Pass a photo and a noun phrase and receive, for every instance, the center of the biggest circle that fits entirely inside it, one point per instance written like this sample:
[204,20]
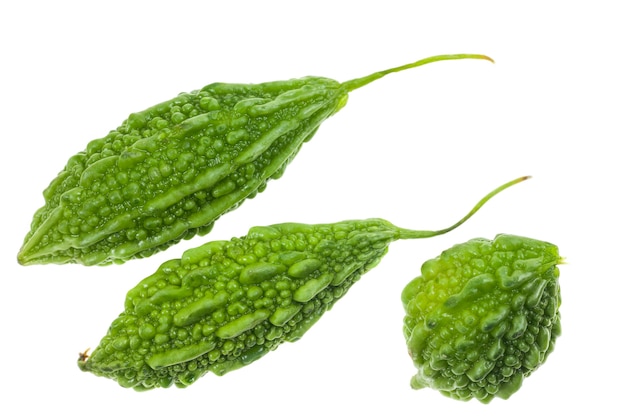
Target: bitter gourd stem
[419,234]
[352,85]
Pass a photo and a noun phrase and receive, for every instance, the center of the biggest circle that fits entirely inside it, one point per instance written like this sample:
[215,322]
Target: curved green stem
[419,234]
[360,82]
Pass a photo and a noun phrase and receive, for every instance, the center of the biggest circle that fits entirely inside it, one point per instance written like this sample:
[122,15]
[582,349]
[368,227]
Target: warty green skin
[225,304]
[483,316]
[170,171]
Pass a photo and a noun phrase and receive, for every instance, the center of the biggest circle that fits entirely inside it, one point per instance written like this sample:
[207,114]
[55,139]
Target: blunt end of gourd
[417,383]
[82,365]
[83,361]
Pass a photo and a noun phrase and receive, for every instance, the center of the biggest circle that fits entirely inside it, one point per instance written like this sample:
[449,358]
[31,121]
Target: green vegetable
[483,316]
[225,304]
[168,172]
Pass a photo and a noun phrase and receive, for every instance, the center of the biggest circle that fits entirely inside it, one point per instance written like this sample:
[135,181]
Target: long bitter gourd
[483,316]
[225,304]
[168,172]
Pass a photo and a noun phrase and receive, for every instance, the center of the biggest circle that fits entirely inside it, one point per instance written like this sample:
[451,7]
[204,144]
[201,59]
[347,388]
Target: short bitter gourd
[483,316]
[168,172]
[225,304]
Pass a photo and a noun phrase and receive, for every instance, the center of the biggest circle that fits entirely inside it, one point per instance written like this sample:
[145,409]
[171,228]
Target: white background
[418,148]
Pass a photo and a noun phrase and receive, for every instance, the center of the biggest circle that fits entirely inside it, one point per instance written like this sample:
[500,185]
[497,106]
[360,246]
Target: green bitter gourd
[483,316]
[225,304]
[168,172]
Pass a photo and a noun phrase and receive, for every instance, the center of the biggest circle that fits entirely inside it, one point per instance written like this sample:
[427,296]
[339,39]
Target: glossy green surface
[225,304]
[168,172]
[483,316]
[228,303]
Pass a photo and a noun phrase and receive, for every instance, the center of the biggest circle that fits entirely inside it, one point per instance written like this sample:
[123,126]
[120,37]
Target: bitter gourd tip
[483,316]
[82,359]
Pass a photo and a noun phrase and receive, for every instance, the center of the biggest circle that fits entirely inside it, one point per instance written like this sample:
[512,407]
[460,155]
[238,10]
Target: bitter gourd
[483,316]
[225,304]
[168,172]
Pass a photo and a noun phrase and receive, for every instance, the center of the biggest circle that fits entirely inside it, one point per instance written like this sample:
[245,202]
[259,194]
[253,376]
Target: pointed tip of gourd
[26,258]
[30,254]
[22,259]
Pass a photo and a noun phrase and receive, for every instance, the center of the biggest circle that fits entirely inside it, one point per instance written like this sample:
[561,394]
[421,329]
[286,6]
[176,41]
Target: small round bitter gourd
[483,316]
[170,171]
[225,304]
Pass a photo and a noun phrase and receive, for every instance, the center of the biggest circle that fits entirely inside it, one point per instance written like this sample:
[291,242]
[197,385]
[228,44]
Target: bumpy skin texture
[483,316]
[227,303]
[168,172]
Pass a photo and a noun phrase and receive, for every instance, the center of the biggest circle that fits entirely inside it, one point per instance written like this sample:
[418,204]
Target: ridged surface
[483,316]
[227,303]
[168,172]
